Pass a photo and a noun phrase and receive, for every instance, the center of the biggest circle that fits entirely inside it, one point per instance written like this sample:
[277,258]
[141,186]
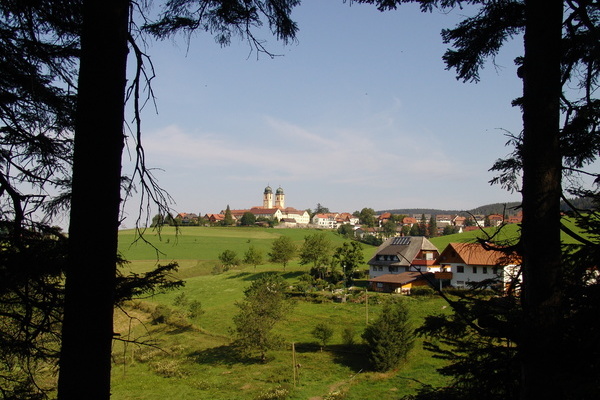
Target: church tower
[279,198]
[268,198]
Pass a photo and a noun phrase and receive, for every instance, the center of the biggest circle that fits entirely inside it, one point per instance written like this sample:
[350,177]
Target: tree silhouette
[560,47]
[99,140]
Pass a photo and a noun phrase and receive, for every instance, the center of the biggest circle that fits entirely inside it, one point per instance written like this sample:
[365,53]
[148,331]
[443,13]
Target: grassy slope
[198,361]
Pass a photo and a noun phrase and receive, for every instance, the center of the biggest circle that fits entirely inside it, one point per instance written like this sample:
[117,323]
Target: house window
[379,284]
[495,271]
[407,268]
[484,270]
[460,269]
[474,270]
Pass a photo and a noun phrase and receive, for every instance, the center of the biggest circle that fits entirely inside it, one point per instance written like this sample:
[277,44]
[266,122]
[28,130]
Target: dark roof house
[403,254]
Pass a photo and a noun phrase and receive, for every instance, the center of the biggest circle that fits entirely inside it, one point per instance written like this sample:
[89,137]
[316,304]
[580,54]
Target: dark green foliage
[389,228]
[248,219]
[195,309]
[264,305]
[225,19]
[158,280]
[348,336]
[283,250]
[371,240]
[229,258]
[228,220]
[476,340]
[161,314]
[390,337]
[31,298]
[316,250]
[346,230]
[367,217]
[323,333]
[432,227]
[349,257]
[422,291]
[253,256]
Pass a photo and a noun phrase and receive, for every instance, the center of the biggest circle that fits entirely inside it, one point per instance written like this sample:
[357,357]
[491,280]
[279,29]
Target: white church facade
[273,206]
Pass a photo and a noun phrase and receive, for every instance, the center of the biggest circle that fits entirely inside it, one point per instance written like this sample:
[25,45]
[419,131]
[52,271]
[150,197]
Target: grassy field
[191,358]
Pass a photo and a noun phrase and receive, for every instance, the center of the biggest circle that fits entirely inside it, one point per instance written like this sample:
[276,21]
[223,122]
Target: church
[273,206]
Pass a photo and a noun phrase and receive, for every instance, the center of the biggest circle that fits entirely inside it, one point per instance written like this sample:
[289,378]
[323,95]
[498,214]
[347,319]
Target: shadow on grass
[351,356]
[251,276]
[293,274]
[225,355]
[221,355]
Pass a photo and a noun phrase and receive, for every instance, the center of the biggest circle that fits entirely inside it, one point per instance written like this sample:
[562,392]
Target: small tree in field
[283,250]
[323,333]
[263,306]
[253,256]
[390,337]
[229,258]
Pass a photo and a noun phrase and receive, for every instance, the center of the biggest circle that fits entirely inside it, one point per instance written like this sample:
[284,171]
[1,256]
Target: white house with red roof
[461,263]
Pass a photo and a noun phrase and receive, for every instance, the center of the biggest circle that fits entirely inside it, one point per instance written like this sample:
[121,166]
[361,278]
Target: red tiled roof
[476,254]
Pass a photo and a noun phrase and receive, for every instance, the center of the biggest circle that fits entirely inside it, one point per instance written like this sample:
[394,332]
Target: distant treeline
[497,208]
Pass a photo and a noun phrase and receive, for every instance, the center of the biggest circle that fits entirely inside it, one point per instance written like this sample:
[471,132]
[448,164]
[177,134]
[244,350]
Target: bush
[195,309]
[424,291]
[323,333]
[390,337]
[160,314]
[180,300]
[348,336]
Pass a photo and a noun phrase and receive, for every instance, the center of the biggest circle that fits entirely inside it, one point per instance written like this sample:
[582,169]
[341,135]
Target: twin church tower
[268,198]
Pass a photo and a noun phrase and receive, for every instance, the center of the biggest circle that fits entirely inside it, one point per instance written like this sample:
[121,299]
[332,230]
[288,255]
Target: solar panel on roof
[401,241]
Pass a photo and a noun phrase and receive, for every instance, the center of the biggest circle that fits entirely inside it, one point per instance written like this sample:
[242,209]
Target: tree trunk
[88,320]
[541,294]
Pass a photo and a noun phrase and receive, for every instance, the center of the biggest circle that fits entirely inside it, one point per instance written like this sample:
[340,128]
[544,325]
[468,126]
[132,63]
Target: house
[288,223]
[362,232]
[460,263]
[403,254]
[326,220]
[383,218]
[302,217]
[214,218]
[495,219]
[459,221]
[347,218]
[187,218]
[443,220]
[516,219]
[400,283]
[409,221]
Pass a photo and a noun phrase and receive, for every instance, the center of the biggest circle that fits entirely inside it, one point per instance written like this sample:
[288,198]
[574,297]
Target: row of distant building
[274,208]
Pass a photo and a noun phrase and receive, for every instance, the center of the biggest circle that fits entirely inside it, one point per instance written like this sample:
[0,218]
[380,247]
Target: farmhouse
[460,263]
[403,254]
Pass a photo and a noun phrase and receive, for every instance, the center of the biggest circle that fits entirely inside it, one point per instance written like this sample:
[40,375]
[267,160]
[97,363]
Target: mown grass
[192,358]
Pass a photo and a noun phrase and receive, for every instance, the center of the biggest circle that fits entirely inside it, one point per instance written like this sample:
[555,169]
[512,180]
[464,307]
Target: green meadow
[191,358]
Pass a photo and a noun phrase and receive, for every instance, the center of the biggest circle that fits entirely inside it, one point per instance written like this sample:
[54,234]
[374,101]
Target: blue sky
[360,112]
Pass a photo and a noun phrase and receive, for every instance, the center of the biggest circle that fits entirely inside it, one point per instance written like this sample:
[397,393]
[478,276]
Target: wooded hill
[511,208]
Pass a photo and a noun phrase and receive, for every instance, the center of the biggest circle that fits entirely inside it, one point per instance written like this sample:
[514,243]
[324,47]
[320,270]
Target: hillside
[496,208]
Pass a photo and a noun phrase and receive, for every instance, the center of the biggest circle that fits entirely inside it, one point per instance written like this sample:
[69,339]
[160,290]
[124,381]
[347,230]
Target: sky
[358,112]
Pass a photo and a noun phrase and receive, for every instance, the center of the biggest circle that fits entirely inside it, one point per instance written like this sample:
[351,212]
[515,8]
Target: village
[273,212]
